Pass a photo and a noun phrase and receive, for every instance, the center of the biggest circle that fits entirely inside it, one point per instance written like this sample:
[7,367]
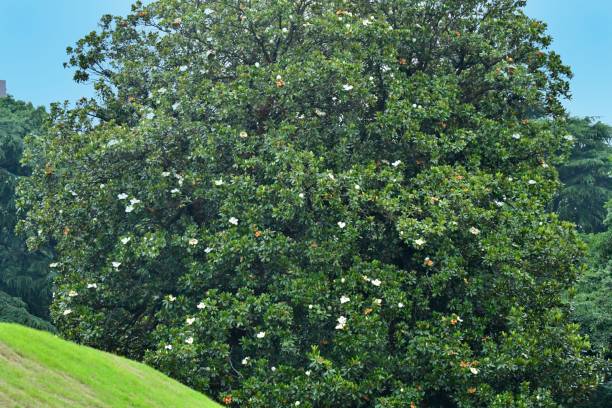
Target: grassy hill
[37,369]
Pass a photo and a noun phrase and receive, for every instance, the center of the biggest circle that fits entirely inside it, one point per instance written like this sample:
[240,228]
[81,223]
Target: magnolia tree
[318,203]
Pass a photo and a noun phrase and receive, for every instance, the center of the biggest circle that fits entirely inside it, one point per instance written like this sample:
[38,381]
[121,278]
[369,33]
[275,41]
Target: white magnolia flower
[116,264]
[341,224]
[92,286]
[183,68]
[189,340]
[400,305]
[545,165]
[261,334]
[516,136]
[378,302]
[320,113]
[208,250]
[165,174]
[201,305]
[233,221]
[342,280]
[474,231]
[341,323]
[73,293]
[273,368]
[190,321]
[474,370]
[344,299]
[531,182]
[171,298]
[310,307]
[245,360]
[193,241]
[129,208]
[396,163]
[257,65]
[122,196]
[219,182]
[175,105]
[376,282]
[175,191]
[53,265]
[366,22]
[347,87]
[244,134]
[365,278]
[102,186]
[499,203]
[125,240]
[301,195]
[67,312]
[419,242]
[308,372]
[168,346]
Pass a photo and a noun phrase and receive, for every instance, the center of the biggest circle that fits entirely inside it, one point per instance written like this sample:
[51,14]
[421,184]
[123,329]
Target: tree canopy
[338,203]
[587,175]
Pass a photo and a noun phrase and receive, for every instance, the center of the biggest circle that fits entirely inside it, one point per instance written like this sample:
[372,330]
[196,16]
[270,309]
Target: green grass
[38,369]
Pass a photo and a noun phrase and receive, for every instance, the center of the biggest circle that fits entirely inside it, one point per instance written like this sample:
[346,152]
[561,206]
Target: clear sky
[35,33]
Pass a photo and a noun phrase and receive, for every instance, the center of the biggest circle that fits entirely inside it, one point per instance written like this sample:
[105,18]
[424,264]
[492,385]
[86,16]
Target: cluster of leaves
[318,203]
[587,176]
[22,274]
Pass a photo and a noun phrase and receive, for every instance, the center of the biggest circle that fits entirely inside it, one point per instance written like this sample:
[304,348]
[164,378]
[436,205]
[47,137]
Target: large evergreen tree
[586,176]
[23,275]
[337,203]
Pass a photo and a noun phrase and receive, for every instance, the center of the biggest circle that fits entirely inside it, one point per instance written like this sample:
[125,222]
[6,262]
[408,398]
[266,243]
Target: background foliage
[587,176]
[22,275]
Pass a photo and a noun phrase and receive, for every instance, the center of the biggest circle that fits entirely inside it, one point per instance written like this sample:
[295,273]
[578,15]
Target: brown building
[2,88]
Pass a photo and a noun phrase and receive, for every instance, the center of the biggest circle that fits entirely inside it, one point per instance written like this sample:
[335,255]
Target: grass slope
[37,369]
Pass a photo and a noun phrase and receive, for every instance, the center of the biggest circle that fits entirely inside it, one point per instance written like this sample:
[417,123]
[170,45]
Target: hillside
[37,369]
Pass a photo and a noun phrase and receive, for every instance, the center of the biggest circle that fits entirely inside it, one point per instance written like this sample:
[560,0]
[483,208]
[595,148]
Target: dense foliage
[14,310]
[22,274]
[593,304]
[587,175]
[337,203]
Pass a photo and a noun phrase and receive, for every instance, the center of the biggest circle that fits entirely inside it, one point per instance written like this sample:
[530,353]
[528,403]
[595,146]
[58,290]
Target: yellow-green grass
[38,369]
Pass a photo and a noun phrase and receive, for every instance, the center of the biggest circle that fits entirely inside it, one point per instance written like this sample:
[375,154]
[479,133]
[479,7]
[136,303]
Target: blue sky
[35,33]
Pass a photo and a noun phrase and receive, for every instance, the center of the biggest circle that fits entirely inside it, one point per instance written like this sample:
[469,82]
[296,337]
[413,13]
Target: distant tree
[586,176]
[341,203]
[22,274]
[14,310]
